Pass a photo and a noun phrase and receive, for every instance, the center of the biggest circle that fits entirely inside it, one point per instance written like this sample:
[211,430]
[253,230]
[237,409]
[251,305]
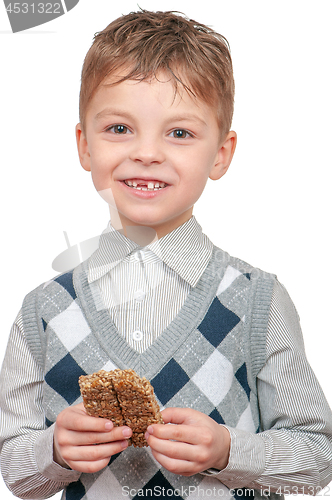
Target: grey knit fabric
[207,358]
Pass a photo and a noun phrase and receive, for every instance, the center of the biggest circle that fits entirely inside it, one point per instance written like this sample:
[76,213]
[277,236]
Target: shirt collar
[186,250]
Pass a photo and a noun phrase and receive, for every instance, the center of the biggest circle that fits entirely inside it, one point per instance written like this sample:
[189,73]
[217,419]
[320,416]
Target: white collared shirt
[145,287]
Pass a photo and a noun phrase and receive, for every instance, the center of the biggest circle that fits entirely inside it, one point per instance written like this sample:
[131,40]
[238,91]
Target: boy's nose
[147,151]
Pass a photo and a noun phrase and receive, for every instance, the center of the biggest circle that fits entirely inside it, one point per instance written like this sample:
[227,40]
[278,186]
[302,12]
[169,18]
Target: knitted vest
[206,359]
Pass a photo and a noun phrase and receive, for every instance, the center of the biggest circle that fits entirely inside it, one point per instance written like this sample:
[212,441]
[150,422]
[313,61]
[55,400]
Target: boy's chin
[147,221]
[144,219]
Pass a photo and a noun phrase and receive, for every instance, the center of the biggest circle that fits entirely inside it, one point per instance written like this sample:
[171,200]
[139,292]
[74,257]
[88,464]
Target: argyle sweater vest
[206,359]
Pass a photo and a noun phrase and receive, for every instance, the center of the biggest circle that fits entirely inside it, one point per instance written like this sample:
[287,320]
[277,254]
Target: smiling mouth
[144,185]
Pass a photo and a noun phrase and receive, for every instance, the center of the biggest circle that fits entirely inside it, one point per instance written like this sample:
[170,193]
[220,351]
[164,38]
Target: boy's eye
[119,129]
[179,133]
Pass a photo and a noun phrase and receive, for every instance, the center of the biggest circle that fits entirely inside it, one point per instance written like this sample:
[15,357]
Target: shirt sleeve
[26,445]
[293,453]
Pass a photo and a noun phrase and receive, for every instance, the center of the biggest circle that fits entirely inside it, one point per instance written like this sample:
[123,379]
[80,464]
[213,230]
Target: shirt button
[137,335]
[139,295]
[139,255]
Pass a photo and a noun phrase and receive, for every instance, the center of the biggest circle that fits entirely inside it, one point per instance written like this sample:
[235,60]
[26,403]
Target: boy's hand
[195,444]
[86,443]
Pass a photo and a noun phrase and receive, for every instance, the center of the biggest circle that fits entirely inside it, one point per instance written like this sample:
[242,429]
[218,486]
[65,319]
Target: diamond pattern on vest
[62,376]
[75,491]
[230,275]
[157,484]
[216,416]
[242,493]
[215,377]
[246,422]
[207,373]
[191,396]
[134,467]
[66,281]
[241,376]
[169,381]
[218,322]
[208,489]
[102,484]
[70,326]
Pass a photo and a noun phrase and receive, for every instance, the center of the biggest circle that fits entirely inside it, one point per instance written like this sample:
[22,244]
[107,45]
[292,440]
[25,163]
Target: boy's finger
[162,437]
[171,449]
[179,415]
[182,433]
[184,467]
[89,467]
[95,453]
[78,420]
[89,438]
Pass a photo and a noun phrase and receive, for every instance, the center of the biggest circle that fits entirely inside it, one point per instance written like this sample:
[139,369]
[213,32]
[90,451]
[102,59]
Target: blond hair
[143,43]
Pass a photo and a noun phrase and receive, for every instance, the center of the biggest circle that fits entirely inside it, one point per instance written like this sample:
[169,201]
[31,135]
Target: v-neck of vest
[163,348]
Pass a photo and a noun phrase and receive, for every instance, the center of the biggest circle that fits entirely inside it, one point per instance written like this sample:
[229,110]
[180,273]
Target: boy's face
[150,153]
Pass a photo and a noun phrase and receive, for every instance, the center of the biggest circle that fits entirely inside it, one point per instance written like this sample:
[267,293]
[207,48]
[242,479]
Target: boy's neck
[142,235]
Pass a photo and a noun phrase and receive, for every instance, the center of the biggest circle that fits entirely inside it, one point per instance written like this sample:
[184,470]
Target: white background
[272,209]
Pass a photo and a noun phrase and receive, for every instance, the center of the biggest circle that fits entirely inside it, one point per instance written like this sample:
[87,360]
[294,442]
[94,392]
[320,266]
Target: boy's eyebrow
[111,111]
[118,112]
[187,117]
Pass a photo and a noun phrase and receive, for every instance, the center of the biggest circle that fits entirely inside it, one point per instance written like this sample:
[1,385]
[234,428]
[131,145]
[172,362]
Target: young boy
[219,340]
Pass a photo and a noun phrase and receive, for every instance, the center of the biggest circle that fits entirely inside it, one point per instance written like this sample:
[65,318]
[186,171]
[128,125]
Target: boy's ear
[82,147]
[224,156]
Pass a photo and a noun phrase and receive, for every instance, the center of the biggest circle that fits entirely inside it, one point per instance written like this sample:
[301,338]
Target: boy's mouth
[145,185]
